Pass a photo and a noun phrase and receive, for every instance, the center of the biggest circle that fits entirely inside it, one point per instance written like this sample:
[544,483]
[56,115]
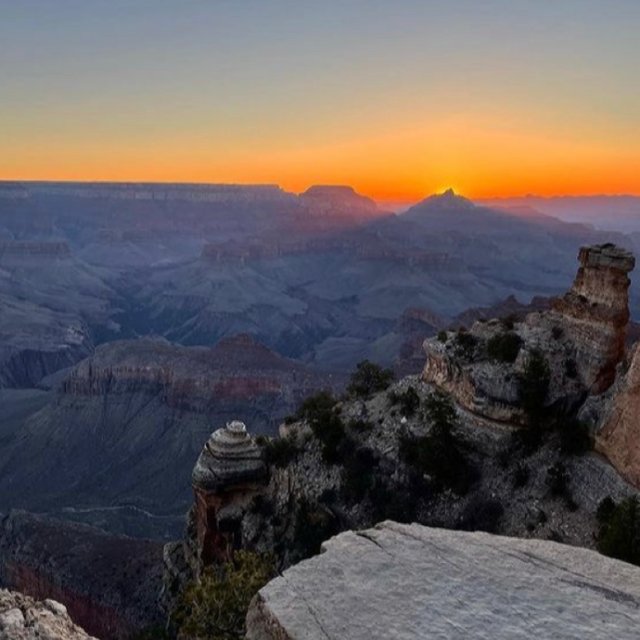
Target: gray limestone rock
[409,581]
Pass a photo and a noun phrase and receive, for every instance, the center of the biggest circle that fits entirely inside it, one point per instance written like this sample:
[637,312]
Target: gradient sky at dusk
[398,98]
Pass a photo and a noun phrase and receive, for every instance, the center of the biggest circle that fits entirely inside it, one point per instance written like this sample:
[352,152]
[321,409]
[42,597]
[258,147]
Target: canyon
[346,463]
[139,322]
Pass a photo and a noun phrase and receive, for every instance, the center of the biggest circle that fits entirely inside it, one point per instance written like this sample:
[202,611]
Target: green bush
[369,378]
[504,347]
[360,425]
[575,438]
[215,608]
[280,452]
[558,480]
[482,514]
[533,386]
[605,510]
[442,336]
[313,525]
[439,454]
[409,401]
[327,426]
[520,475]
[571,368]
[465,344]
[509,321]
[619,535]
[358,473]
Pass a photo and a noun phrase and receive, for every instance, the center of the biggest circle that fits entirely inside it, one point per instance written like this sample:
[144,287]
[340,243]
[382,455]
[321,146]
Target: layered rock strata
[595,312]
[229,474]
[409,581]
[582,338]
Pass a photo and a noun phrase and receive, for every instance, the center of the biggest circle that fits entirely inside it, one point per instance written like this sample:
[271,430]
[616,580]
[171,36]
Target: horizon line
[399,199]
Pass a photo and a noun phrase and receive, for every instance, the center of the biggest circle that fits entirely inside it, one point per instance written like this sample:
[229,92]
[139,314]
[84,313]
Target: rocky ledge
[582,339]
[23,618]
[410,581]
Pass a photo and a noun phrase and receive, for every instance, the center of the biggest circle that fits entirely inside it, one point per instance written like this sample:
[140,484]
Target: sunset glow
[397,99]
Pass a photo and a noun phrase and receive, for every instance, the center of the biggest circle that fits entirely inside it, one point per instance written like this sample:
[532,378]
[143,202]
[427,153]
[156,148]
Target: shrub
[368,378]
[504,347]
[605,510]
[619,535]
[279,452]
[533,386]
[571,368]
[326,424]
[557,332]
[313,525]
[465,344]
[482,514]
[442,336]
[509,321]
[558,480]
[409,401]
[357,473]
[520,475]
[262,506]
[439,410]
[360,425]
[439,454]
[216,607]
[575,438]
[315,408]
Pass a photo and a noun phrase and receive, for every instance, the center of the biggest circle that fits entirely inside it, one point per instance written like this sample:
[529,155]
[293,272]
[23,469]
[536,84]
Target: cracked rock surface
[410,581]
[23,618]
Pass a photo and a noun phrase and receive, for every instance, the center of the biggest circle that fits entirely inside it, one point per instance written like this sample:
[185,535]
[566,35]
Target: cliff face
[408,581]
[618,422]
[108,584]
[582,339]
[246,498]
[36,342]
[126,424]
[595,312]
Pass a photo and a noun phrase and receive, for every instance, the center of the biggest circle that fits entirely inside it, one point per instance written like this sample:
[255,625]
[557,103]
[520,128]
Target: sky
[399,98]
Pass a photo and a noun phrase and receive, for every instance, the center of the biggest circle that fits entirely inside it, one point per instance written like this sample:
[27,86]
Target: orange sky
[398,100]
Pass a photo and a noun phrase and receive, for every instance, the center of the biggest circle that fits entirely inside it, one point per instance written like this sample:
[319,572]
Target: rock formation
[595,312]
[228,475]
[23,618]
[409,581]
[289,504]
[582,339]
[617,421]
[129,421]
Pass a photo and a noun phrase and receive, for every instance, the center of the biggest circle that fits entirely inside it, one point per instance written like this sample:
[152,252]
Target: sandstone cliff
[617,419]
[582,339]
[126,424]
[409,581]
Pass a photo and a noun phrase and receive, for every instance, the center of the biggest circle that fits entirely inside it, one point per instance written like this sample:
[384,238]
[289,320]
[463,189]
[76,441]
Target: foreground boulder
[23,618]
[410,581]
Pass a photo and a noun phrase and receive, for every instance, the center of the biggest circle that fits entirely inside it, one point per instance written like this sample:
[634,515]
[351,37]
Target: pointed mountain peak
[447,200]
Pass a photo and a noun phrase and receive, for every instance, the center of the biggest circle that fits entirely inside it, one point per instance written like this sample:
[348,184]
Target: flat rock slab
[410,581]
